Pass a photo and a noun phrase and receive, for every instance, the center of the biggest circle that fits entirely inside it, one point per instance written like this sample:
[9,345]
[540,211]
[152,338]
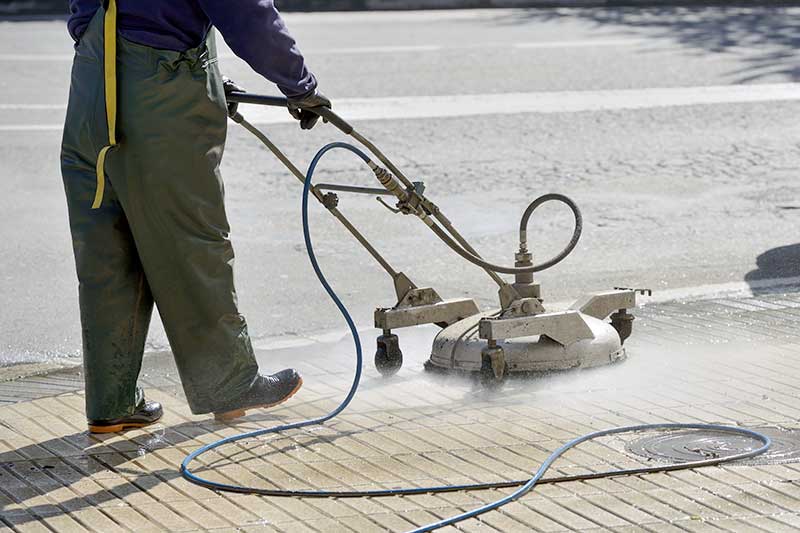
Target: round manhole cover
[697,445]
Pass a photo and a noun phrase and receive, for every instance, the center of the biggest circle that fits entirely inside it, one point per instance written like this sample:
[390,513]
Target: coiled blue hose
[524,486]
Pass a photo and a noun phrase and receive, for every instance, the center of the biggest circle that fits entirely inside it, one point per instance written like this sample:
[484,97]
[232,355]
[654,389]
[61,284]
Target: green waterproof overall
[143,140]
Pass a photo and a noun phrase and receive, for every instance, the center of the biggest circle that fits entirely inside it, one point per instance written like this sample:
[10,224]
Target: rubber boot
[146,414]
[266,391]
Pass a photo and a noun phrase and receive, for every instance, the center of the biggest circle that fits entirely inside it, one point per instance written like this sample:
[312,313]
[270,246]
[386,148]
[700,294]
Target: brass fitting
[523,283]
[389,182]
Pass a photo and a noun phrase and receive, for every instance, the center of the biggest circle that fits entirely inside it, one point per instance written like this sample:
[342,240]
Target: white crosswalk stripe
[463,105]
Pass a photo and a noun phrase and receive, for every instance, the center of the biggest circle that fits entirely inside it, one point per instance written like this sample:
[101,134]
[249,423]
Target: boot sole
[116,428]
[227,416]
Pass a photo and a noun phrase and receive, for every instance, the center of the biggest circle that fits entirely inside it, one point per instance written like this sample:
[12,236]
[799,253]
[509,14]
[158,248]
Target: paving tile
[133,519]
[622,509]
[398,433]
[98,521]
[391,522]
[167,518]
[361,523]
[790,519]
[701,526]
[768,523]
[561,512]
[737,525]
[255,528]
[63,522]
[663,511]
[535,520]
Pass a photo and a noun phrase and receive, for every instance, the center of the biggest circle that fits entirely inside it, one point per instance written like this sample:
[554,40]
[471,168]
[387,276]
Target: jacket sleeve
[256,32]
[80,14]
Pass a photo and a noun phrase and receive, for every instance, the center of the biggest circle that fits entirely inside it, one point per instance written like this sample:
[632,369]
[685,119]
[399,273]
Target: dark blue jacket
[252,28]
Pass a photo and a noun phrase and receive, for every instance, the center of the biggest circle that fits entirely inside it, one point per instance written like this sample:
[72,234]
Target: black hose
[576,233]
[476,260]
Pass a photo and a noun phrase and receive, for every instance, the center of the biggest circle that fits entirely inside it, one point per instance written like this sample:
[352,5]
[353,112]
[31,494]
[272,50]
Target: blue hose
[350,324]
[524,486]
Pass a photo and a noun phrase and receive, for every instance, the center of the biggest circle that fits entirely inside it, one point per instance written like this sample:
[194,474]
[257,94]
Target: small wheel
[488,375]
[388,357]
[622,321]
[487,378]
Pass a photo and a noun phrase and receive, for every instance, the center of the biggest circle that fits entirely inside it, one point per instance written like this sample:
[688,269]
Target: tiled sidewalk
[731,361]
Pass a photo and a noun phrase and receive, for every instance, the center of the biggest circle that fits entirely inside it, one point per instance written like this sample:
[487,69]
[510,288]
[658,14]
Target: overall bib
[143,139]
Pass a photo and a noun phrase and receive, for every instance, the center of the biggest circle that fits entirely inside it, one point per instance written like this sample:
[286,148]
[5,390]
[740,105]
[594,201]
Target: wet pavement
[728,360]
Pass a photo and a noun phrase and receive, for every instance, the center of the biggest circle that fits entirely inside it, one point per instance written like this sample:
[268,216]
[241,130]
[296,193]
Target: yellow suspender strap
[110,78]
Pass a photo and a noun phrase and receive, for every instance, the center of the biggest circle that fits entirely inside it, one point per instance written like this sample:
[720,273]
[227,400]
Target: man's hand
[300,108]
[230,87]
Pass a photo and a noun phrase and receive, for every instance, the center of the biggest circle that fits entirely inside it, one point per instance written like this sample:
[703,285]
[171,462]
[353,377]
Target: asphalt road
[680,186]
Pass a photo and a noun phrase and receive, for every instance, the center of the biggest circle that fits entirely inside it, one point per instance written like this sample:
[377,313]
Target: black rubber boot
[266,391]
[148,413]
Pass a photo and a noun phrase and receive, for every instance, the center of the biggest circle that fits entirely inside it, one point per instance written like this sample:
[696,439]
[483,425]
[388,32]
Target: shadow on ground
[69,460]
[771,35]
[776,263]
[127,466]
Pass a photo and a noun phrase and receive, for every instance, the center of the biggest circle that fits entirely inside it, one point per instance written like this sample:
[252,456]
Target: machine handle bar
[281,101]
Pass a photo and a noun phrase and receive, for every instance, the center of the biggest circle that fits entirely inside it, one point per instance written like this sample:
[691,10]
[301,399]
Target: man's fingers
[305,110]
[231,86]
[296,113]
[309,120]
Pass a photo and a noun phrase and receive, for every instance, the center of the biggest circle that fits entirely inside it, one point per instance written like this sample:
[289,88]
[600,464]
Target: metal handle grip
[281,101]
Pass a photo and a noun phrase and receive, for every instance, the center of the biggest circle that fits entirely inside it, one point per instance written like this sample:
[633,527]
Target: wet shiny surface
[698,445]
[729,361]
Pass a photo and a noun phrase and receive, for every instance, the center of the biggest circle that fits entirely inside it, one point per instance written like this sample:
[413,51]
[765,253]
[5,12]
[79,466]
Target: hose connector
[523,259]
[523,281]
[389,182]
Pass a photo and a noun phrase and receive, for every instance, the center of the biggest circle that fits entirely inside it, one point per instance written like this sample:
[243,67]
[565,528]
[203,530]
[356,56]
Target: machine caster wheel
[622,321]
[494,369]
[388,357]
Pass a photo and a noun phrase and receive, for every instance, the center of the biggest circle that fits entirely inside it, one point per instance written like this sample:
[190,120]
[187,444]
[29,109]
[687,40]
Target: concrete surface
[57,7]
[674,196]
[727,360]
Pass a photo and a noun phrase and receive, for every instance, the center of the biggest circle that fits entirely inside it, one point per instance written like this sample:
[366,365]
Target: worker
[143,140]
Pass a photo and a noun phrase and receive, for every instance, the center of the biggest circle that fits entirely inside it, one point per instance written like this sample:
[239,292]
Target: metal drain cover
[696,445]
